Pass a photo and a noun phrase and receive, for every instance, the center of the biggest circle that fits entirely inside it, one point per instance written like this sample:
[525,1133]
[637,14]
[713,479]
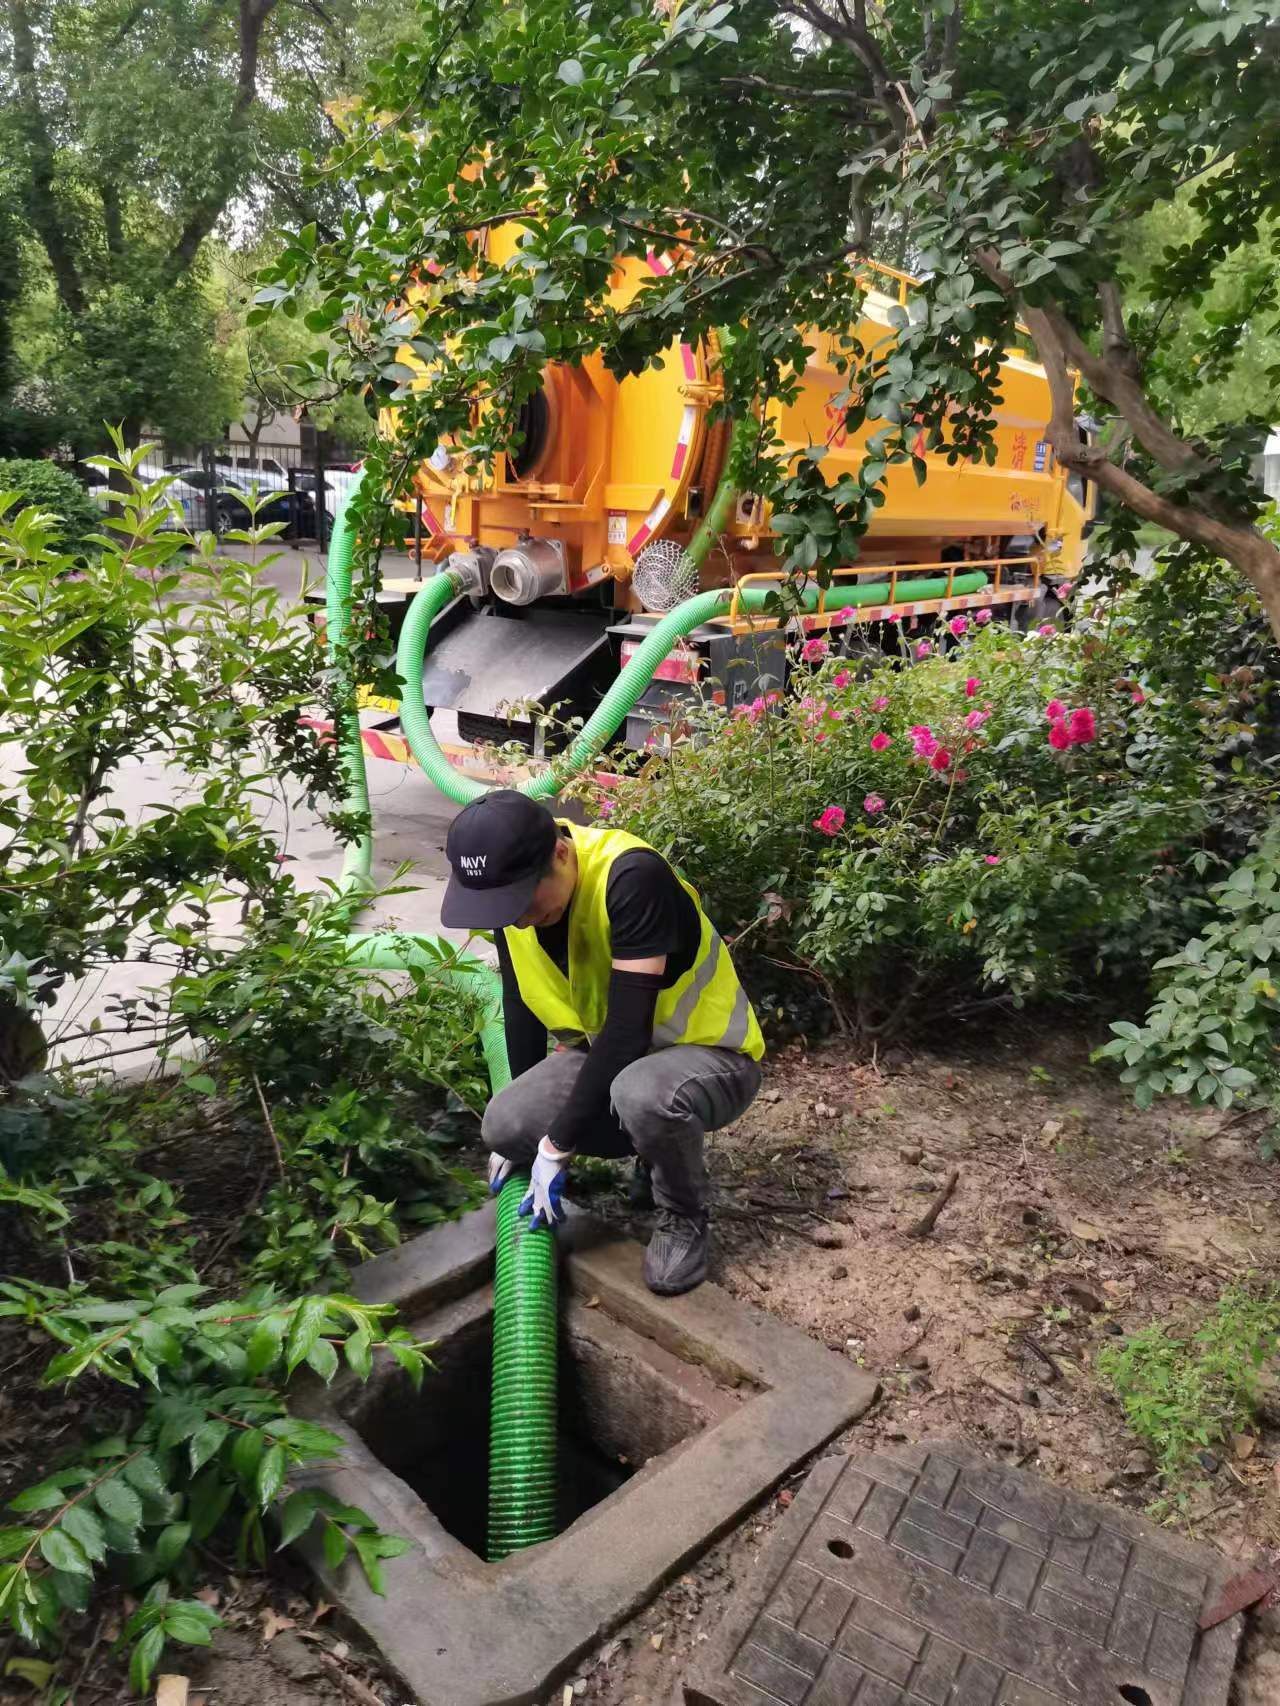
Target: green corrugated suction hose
[522,1434]
[522,1427]
[620,700]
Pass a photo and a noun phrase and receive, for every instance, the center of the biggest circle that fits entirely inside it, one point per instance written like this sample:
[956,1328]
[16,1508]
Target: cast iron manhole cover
[932,1577]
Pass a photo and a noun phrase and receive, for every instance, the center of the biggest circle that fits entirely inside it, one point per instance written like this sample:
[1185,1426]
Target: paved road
[410,820]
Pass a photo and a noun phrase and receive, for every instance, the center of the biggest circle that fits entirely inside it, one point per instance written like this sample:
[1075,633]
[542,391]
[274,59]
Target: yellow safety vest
[707,1005]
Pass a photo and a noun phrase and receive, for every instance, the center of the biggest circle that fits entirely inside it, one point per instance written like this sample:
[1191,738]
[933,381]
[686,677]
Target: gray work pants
[664,1102]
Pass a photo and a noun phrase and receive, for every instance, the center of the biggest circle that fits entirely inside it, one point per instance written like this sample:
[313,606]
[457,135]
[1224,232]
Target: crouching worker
[602,945]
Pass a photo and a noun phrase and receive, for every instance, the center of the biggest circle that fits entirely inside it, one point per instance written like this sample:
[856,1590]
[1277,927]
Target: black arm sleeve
[586,1121]
[526,1034]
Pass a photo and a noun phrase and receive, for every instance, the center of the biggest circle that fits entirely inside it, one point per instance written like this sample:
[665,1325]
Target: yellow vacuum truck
[576,542]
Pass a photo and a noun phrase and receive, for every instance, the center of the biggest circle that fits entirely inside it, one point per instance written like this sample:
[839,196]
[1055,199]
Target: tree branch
[41,194]
[204,215]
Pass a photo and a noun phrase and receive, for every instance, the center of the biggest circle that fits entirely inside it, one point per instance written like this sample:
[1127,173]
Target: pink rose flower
[982,618]
[1080,727]
[841,678]
[813,650]
[923,648]
[606,808]
[993,859]
[962,775]
[975,719]
[1055,710]
[971,687]
[831,822]
[1046,629]
[880,740]
[923,742]
[940,759]
[959,625]
[846,615]
[1059,739]
[1064,590]
[880,704]
[873,804]
[1138,696]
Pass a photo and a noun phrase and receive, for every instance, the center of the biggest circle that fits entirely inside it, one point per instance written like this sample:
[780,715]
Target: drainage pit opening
[615,1413]
[1136,1696]
[840,1548]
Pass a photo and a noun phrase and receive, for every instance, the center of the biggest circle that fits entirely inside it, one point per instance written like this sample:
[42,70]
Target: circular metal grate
[664,576]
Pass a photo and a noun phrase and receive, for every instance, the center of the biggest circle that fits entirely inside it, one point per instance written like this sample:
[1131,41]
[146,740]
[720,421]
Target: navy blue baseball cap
[499,848]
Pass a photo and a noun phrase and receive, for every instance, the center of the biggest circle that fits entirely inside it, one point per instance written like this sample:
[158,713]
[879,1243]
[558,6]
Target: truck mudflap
[493,659]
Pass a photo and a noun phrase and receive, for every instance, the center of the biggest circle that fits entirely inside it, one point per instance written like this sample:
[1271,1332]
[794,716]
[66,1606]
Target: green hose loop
[357,860]
[620,700]
[522,1421]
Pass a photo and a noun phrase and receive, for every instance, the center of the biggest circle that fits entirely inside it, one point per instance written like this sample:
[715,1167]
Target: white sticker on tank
[617,527]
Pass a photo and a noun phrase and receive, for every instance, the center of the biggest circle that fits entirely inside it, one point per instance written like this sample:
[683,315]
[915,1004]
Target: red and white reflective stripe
[688,422]
[647,526]
[429,520]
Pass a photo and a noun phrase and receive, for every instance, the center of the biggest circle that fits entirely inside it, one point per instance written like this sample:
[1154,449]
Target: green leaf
[205,1442]
[83,1526]
[117,1500]
[264,1345]
[246,1453]
[144,1474]
[145,1657]
[182,1626]
[335,1545]
[270,1477]
[64,1553]
[14,1541]
[323,1359]
[171,1544]
[42,1497]
[296,1516]
[304,1330]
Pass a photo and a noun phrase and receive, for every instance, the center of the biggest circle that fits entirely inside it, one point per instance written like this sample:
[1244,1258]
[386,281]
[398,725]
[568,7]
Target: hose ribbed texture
[522,1420]
[523,1447]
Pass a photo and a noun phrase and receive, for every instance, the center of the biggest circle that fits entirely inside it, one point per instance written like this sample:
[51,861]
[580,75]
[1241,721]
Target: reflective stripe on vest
[707,1005]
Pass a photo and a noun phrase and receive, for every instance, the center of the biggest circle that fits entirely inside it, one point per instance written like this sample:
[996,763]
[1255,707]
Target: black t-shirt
[650,914]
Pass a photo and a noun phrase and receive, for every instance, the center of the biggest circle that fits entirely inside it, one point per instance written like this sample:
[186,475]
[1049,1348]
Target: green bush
[932,832]
[1184,1391]
[52,489]
[1213,1030]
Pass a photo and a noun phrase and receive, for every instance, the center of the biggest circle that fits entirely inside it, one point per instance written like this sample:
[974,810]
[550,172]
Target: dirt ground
[1075,1217]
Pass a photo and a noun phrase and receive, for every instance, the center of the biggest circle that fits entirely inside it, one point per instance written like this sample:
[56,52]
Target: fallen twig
[271,1130]
[925,1225]
[359,1691]
[1049,1361]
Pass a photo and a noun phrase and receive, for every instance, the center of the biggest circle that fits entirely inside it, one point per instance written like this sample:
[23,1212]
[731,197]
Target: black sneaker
[676,1259]
[640,1186]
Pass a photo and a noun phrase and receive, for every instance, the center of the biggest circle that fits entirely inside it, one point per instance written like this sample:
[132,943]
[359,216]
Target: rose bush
[989,816]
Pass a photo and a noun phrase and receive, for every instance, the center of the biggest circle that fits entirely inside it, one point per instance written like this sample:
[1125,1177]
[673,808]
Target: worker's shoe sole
[676,1258]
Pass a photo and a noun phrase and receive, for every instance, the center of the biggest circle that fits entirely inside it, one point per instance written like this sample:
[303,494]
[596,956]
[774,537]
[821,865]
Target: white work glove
[500,1170]
[546,1184]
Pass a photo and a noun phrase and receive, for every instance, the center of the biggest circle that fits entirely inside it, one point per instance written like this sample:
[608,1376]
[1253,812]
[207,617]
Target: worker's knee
[645,1106]
[511,1127]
